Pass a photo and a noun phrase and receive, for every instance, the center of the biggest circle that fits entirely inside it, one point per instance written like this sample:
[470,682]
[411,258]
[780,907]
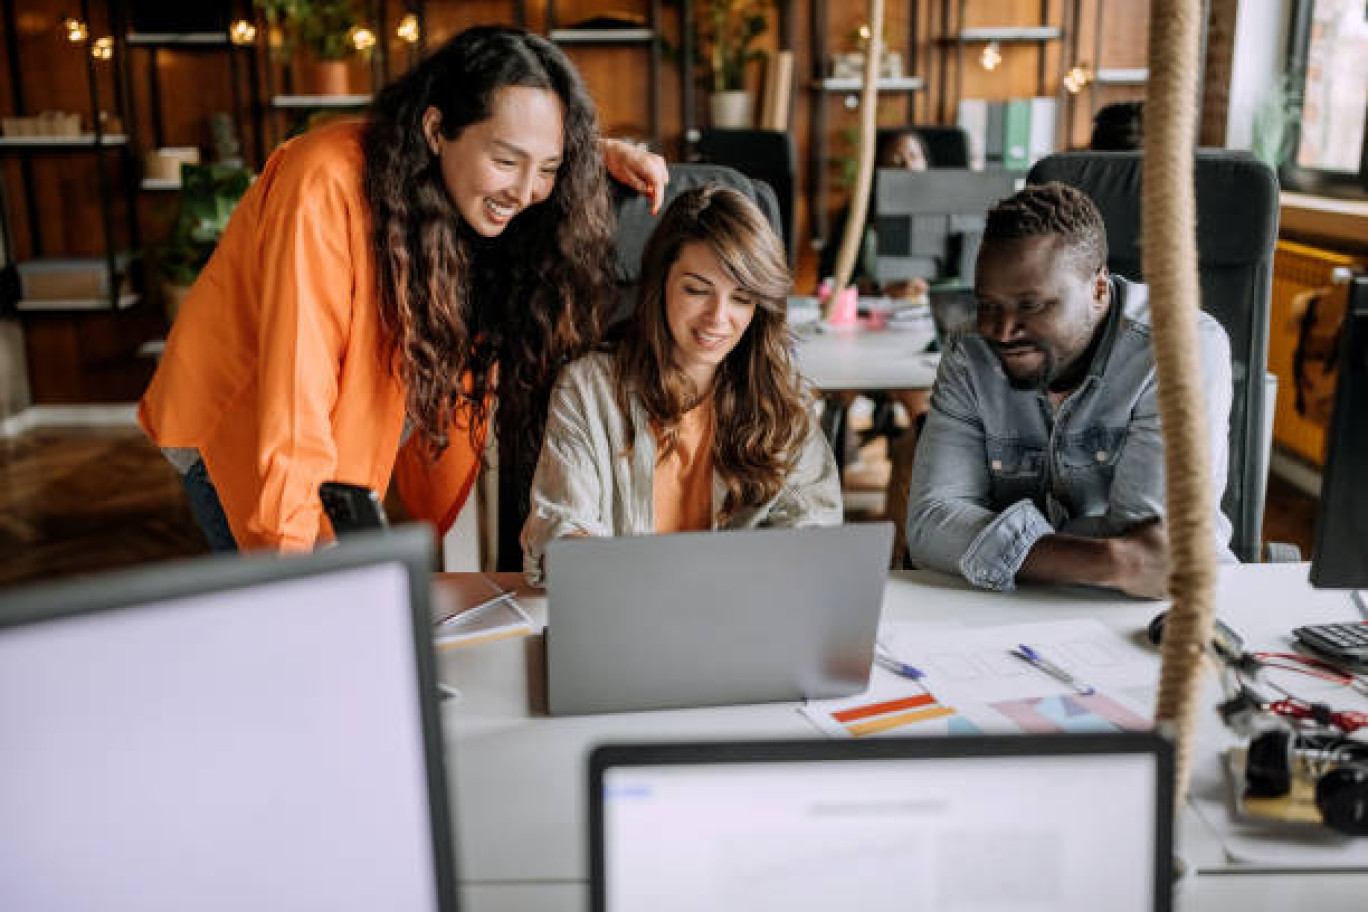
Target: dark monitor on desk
[929,223]
[1340,557]
[227,734]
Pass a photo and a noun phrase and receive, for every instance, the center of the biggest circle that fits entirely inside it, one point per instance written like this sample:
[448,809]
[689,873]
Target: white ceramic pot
[731,110]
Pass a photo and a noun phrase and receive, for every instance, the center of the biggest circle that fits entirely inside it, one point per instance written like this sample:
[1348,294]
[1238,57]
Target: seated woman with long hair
[692,416]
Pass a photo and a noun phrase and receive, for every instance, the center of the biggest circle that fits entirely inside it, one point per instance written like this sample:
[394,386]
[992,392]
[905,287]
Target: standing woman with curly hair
[382,282]
[693,417]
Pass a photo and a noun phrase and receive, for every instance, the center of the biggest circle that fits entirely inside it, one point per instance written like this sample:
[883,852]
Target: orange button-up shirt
[275,369]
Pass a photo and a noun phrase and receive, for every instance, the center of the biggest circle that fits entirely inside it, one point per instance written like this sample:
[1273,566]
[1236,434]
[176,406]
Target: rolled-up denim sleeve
[951,523]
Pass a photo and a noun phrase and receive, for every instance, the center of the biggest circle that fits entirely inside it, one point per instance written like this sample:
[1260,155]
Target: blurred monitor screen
[1051,822]
[231,734]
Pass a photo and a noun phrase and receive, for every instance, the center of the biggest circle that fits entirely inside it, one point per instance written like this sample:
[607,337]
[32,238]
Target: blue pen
[1030,656]
[885,660]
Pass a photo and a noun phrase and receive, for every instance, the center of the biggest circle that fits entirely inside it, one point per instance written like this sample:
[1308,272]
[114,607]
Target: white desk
[520,780]
[860,359]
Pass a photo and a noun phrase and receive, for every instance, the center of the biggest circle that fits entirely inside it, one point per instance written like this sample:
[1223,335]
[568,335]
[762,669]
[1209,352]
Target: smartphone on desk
[351,508]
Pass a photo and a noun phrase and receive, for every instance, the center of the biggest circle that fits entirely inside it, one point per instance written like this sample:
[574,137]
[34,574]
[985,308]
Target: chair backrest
[946,147]
[635,221]
[764,155]
[634,226]
[1237,227]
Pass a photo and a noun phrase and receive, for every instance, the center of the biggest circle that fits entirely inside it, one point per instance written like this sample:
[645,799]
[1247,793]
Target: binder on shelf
[994,133]
[1016,135]
[972,118]
[1044,117]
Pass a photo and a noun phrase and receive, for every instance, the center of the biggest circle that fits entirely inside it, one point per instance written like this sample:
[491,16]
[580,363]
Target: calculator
[1343,644]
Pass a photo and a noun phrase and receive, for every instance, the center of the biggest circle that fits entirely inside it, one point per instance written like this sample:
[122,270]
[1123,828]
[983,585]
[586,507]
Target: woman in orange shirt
[694,418]
[348,325]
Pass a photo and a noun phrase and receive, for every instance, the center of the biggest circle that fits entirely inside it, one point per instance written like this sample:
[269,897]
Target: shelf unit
[285,109]
[110,151]
[154,44]
[648,38]
[957,38]
[822,87]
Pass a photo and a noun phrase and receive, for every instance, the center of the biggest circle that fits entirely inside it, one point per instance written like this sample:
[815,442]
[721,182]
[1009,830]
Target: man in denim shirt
[1041,458]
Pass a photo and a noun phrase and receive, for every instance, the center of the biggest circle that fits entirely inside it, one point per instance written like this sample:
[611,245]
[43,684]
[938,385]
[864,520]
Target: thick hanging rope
[864,174]
[1170,238]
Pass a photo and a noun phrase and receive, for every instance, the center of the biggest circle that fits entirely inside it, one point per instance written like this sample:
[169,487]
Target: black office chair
[946,147]
[1237,226]
[764,155]
[634,226]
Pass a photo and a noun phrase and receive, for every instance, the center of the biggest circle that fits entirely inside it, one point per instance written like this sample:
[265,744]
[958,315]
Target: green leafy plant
[1275,114]
[727,31]
[322,28]
[209,194]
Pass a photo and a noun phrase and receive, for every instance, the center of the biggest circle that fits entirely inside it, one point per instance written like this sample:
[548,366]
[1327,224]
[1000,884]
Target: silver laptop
[709,618]
[1068,823]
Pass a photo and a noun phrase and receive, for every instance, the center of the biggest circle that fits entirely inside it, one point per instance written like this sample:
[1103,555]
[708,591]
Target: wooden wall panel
[196,83]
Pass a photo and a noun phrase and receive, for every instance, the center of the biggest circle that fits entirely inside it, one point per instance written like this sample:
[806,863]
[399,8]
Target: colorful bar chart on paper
[914,714]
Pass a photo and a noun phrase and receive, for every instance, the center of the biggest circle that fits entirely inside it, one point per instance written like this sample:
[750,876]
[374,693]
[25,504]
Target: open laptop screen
[949,824]
[242,734]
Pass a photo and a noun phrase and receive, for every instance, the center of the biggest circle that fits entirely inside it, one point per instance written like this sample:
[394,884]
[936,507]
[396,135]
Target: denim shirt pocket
[1016,468]
[1087,462]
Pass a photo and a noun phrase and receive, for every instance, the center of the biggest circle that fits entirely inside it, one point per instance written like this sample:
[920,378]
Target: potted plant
[318,36]
[209,194]
[727,31]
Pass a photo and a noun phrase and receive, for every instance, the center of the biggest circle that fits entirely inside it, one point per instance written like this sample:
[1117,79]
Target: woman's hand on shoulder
[637,167]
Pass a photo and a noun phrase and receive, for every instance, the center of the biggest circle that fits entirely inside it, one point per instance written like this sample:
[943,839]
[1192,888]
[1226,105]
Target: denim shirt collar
[1116,307]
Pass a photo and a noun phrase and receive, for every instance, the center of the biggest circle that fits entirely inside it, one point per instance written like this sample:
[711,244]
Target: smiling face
[1037,309]
[497,167]
[706,311]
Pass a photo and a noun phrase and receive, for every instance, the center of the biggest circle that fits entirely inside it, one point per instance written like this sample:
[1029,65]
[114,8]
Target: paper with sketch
[975,664]
[974,671]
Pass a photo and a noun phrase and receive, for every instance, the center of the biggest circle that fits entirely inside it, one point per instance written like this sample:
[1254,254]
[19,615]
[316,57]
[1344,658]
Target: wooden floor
[73,502]
[79,501]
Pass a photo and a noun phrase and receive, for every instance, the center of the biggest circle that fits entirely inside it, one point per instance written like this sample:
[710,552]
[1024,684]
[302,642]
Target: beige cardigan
[588,481]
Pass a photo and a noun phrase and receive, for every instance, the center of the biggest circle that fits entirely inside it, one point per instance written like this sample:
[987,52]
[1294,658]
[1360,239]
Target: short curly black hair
[1057,209]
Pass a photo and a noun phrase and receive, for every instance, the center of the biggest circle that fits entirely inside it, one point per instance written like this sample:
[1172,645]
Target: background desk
[860,359]
[520,778]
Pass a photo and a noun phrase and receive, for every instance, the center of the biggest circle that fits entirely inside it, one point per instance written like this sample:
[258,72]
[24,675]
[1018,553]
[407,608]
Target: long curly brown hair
[760,403]
[455,304]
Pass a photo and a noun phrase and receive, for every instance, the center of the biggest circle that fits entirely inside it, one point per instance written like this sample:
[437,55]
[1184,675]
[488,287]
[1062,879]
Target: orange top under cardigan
[682,488]
[274,368]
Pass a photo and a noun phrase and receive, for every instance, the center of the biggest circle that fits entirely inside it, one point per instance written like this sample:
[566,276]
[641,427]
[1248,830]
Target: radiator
[1306,311]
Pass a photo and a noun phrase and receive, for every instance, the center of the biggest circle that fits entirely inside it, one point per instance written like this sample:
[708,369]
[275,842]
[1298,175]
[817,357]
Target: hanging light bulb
[408,29]
[242,32]
[103,48]
[991,56]
[363,39]
[76,30]
[1077,78]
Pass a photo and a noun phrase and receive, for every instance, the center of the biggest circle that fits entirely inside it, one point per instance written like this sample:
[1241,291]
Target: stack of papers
[972,683]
